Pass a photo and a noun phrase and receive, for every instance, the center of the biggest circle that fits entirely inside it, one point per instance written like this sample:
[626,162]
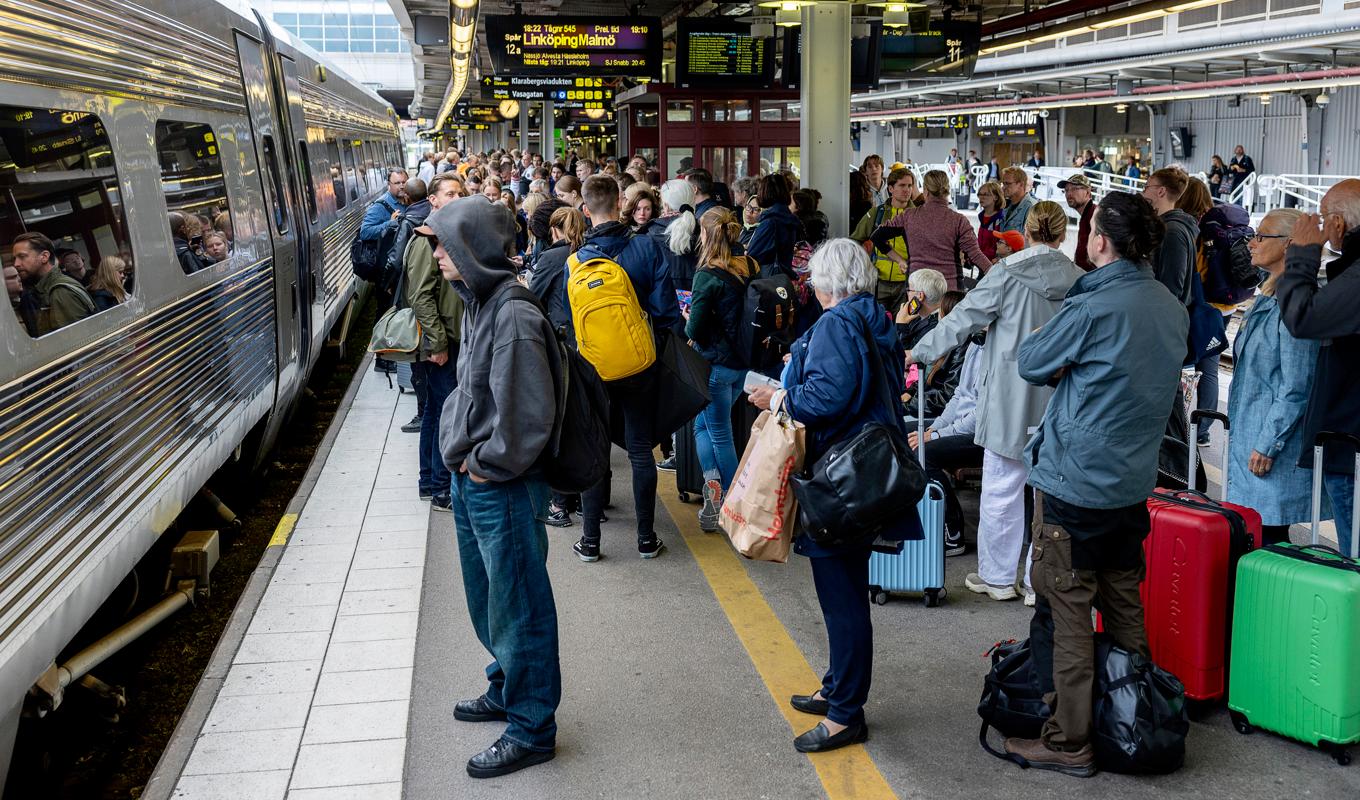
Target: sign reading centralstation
[576,46]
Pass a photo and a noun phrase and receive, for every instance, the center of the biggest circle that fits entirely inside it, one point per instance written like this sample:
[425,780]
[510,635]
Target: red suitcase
[1191,555]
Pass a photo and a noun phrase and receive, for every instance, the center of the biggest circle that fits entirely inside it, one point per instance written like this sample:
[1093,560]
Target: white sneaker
[1030,598]
[977,584]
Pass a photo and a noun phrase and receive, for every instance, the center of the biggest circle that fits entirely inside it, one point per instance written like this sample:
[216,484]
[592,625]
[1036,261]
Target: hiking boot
[588,552]
[1079,764]
[413,426]
[650,548]
[977,584]
[708,515]
[558,517]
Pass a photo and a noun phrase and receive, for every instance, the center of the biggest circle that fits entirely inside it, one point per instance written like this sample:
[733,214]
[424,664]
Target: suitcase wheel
[684,497]
[878,595]
[1240,723]
[932,597]
[1339,753]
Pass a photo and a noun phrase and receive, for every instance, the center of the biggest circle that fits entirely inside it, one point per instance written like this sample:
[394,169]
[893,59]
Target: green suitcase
[1295,662]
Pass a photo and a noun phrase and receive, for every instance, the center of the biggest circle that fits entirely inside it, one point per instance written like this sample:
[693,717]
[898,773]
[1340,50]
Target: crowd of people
[1057,377]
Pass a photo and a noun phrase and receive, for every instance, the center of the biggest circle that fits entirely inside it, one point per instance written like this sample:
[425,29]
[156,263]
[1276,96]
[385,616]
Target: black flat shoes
[505,757]
[810,704]
[477,710]
[819,739]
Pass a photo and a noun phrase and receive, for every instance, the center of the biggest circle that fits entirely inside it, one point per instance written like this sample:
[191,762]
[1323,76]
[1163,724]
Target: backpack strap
[517,291]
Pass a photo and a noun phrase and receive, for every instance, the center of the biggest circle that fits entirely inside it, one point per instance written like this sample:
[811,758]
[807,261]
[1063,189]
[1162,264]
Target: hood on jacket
[1182,218]
[780,215]
[864,307]
[477,234]
[417,212]
[1043,270]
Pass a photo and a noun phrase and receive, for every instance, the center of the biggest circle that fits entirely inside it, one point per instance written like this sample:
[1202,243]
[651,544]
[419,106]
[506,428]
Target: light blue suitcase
[920,565]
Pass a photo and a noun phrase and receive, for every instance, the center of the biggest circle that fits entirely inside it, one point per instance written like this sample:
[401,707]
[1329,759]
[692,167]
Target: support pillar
[523,128]
[549,134]
[824,124]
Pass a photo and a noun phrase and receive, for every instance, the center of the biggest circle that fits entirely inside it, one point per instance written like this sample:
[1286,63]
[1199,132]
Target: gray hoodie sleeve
[521,382]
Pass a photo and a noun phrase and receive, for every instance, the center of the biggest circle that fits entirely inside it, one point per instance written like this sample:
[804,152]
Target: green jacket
[438,307]
[59,300]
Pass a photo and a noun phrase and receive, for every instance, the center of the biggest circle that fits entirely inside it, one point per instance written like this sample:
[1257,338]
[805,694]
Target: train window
[278,201]
[679,110]
[351,179]
[195,193]
[360,168]
[645,116]
[337,176]
[63,234]
[308,188]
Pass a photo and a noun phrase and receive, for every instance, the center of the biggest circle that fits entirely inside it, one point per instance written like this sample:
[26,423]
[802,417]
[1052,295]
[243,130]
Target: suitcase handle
[1193,442]
[1300,553]
[1204,413]
[1320,443]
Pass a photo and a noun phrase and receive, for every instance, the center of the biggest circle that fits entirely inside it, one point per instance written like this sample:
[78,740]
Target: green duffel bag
[397,335]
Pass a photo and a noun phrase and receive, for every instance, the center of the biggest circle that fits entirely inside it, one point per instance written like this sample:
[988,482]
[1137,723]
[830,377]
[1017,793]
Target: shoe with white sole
[1030,598]
[708,515]
[977,584]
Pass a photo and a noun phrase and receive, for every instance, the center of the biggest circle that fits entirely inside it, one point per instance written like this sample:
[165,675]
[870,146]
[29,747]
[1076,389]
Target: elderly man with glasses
[1015,186]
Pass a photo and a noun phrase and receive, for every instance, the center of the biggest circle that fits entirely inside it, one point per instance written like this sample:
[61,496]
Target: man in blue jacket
[381,217]
[633,398]
[1114,354]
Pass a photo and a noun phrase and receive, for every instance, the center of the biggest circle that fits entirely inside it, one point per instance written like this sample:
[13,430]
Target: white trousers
[1001,519]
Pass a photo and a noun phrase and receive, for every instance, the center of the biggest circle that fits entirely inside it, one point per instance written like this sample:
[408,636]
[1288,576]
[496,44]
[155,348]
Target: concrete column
[523,127]
[824,125]
[549,134]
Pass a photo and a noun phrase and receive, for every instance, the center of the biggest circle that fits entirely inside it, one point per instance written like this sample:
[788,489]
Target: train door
[283,224]
[303,192]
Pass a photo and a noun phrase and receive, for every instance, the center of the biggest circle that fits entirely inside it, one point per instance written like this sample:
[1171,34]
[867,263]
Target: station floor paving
[676,671]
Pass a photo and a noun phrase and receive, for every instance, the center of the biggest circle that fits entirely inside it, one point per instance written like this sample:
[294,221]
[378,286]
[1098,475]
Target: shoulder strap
[880,374]
[726,277]
[519,292]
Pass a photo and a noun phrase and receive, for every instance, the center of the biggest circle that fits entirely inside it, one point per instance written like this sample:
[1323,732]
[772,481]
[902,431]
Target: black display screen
[38,135]
[942,50]
[863,58]
[722,52]
[575,46]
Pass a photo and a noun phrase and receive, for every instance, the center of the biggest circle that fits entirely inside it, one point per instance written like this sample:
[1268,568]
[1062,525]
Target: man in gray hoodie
[492,433]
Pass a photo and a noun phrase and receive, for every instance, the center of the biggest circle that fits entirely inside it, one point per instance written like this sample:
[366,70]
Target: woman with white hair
[676,231]
[831,387]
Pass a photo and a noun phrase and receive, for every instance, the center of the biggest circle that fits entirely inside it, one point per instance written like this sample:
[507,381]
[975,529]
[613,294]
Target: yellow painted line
[846,774]
[284,529]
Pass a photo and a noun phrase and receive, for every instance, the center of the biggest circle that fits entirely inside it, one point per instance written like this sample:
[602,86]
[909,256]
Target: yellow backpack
[612,331]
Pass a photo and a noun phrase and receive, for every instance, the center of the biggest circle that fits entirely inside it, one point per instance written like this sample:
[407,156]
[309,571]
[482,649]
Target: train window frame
[308,187]
[226,194]
[105,194]
[338,187]
[360,170]
[279,219]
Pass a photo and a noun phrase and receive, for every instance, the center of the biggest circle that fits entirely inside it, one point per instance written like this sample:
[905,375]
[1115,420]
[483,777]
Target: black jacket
[1174,262]
[681,265]
[410,219]
[1329,313]
[549,282]
[815,227]
[941,383]
[189,261]
[909,333]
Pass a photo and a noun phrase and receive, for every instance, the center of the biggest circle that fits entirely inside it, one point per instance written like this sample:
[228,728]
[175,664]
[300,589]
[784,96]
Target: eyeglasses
[1261,237]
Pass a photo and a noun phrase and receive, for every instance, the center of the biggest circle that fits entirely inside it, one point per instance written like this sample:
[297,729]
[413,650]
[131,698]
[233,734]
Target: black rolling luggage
[689,476]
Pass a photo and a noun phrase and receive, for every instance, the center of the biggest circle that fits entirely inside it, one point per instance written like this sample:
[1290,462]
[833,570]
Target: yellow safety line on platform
[284,529]
[845,773]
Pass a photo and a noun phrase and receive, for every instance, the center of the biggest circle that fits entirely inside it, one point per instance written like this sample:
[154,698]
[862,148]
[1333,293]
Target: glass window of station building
[339,28]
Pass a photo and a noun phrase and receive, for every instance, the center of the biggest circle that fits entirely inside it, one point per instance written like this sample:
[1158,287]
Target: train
[113,115]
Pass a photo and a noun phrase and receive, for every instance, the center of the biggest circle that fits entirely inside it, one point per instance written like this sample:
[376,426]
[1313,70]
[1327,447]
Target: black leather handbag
[864,484]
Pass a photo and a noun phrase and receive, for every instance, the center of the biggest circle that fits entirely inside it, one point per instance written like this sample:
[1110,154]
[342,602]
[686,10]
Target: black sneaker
[558,517]
[586,551]
[1203,441]
[441,502]
[953,543]
[413,426]
[650,548]
[426,494]
[666,464]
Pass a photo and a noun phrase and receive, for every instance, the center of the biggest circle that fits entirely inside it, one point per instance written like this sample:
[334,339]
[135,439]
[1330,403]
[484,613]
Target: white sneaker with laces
[974,583]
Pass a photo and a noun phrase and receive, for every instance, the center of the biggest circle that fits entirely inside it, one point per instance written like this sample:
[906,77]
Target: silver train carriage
[118,119]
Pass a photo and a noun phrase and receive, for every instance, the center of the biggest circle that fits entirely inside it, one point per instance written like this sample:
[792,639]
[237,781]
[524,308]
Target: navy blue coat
[772,243]
[646,267]
[832,390]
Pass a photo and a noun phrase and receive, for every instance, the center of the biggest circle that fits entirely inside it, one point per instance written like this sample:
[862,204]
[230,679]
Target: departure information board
[722,52]
[575,46]
[571,93]
[942,50]
[863,58]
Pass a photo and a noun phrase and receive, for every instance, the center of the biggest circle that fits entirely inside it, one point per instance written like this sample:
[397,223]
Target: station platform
[338,674]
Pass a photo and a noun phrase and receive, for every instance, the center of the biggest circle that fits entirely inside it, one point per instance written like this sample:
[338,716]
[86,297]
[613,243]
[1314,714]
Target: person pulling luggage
[1114,352]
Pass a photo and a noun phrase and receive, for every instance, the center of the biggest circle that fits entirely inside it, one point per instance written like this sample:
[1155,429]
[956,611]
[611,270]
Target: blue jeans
[439,384]
[503,549]
[713,440]
[1340,488]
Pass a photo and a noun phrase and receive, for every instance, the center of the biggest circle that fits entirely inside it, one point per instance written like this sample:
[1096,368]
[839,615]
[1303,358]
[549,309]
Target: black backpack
[577,457]
[1229,276]
[767,312]
[369,257]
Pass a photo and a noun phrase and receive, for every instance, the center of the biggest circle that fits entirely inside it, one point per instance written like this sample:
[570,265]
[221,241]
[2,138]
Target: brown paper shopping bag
[759,511]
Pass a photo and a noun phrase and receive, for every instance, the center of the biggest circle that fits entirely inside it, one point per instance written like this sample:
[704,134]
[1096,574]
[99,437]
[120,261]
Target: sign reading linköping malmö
[577,46]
